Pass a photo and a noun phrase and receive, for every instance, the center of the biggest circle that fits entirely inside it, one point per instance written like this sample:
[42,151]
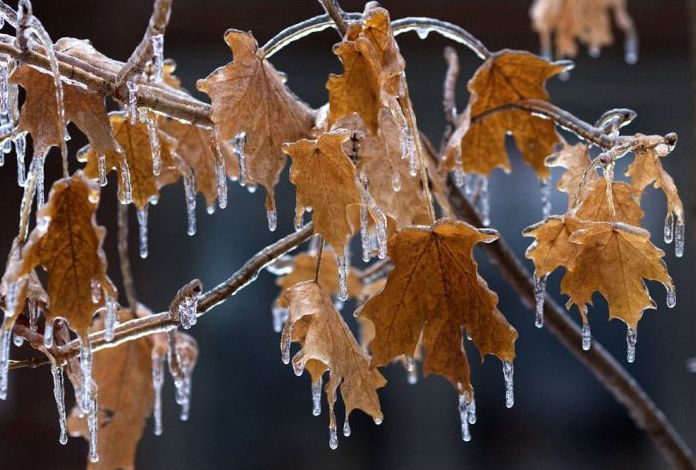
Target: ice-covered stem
[449,93]
[163,322]
[337,16]
[161,11]
[123,258]
[644,412]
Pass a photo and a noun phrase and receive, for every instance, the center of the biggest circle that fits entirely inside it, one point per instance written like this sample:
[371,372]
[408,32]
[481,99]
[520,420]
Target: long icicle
[59,395]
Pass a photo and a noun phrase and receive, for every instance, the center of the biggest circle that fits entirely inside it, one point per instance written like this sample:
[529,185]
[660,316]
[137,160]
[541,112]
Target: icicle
[59,395]
[251,188]
[539,296]
[238,149]
[85,399]
[101,165]
[594,52]
[48,334]
[190,195]
[126,189]
[93,426]
[158,55]
[333,435]
[346,428]
[298,367]
[679,231]
[586,333]
[96,291]
[221,178]
[669,227]
[132,101]
[411,371]
[33,315]
[157,382]
[396,182]
[484,201]
[472,412]
[406,139]
[210,210]
[631,50]
[464,417]
[155,148]
[110,318]
[546,198]
[142,232]
[671,297]
[509,390]
[20,149]
[631,339]
[316,397]
[18,341]
[187,308]
[364,233]
[285,342]
[422,33]
[272,217]
[280,314]
[37,168]
[470,183]
[4,85]
[183,395]
[342,266]
[5,339]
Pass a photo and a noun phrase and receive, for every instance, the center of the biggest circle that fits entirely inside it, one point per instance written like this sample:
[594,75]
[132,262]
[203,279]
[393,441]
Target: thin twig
[449,94]
[317,269]
[334,11]
[161,11]
[123,258]
[164,322]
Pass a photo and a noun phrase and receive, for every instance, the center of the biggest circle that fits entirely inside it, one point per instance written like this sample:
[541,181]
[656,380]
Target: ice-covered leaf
[134,163]
[124,379]
[15,293]
[372,69]
[595,205]
[435,290]
[613,259]
[39,113]
[326,182]
[248,96]
[328,344]
[576,161]
[304,268]
[504,78]
[67,243]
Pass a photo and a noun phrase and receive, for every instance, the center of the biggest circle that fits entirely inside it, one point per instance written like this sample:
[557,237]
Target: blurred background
[249,410]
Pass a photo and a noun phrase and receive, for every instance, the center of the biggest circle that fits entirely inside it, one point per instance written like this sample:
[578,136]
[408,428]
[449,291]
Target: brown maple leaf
[67,243]
[39,113]
[134,162]
[16,293]
[505,78]
[328,344]
[326,182]
[248,96]
[193,145]
[123,375]
[576,161]
[373,68]
[435,290]
[610,258]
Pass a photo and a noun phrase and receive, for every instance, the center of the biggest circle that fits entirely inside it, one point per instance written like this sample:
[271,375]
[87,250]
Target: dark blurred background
[249,410]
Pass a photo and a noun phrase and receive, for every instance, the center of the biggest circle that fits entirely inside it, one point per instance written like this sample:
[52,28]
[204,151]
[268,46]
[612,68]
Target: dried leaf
[124,379]
[304,268]
[505,78]
[67,243]
[136,153]
[248,95]
[596,207]
[16,293]
[39,113]
[576,160]
[328,344]
[435,289]
[325,180]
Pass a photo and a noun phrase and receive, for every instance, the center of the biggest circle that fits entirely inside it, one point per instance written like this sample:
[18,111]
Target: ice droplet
[346,428]
[342,266]
[5,339]
[671,297]
[411,372]
[316,397]
[157,383]
[422,33]
[280,314]
[132,101]
[142,231]
[110,318]
[594,52]
[190,196]
[18,341]
[59,395]
[272,217]
[508,371]
[546,198]
[539,296]
[631,340]
[20,149]
[96,291]
[631,50]
[586,334]
[669,228]
[464,417]
[472,412]
[48,334]
[158,55]
[85,398]
[101,166]
[364,233]
[396,182]
[188,309]
[238,143]
[679,232]
[155,148]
